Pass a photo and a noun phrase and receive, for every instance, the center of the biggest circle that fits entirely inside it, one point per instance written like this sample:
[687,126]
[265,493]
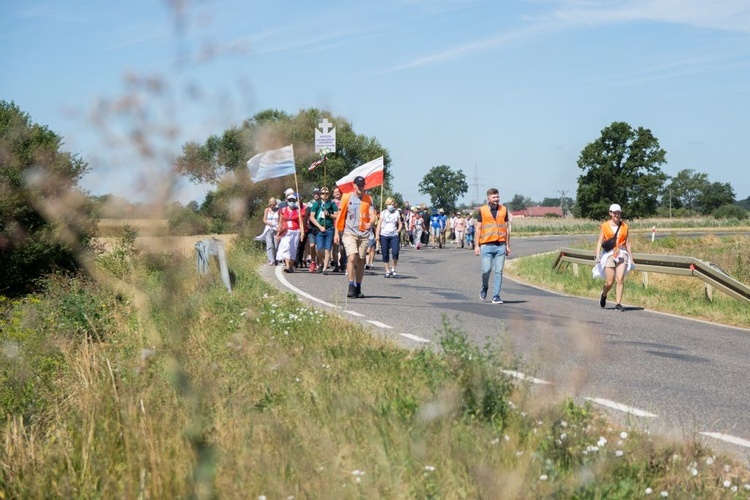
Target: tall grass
[552,225]
[255,394]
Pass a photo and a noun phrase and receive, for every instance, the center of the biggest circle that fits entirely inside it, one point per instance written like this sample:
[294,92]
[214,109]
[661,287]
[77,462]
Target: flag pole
[381,196]
[299,200]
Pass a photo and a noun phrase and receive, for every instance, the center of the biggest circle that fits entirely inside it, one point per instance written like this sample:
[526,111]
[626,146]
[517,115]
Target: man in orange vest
[353,228]
[492,242]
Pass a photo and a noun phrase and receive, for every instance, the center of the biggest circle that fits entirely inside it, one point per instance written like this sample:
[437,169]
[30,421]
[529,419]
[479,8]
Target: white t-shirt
[389,223]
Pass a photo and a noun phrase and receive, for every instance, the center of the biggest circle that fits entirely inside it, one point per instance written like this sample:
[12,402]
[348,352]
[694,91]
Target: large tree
[221,159]
[715,195]
[44,217]
[444,186]
[622,166]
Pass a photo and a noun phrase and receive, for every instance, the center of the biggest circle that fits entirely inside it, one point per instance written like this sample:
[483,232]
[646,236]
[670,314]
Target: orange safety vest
[622,236]
[493,229]
[364,211]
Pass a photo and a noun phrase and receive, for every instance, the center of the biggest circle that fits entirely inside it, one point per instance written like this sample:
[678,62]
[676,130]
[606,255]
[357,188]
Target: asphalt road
[672,375]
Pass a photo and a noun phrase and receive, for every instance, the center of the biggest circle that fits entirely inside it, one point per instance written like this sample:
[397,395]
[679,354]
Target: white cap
[614,207]
[288,192]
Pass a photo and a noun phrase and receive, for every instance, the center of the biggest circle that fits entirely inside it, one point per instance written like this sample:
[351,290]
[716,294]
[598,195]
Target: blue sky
[509,92]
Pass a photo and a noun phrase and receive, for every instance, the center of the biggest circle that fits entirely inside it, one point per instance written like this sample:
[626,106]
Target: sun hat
[614,207]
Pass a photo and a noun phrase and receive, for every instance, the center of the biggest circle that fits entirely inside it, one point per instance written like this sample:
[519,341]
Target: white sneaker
[393,274]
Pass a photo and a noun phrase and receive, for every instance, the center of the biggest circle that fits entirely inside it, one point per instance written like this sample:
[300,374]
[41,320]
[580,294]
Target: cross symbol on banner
[325,125]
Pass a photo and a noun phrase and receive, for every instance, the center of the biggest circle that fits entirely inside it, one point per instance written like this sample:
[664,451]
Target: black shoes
[602,300]
[358,290]
[619,307]
[352,292]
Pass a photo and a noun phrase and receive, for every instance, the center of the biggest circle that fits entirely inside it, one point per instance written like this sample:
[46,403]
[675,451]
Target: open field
[143,227]
[184,245]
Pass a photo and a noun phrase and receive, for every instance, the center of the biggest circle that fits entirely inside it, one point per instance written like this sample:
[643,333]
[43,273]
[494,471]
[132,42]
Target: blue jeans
[389,245]
[324,239]
[493,258]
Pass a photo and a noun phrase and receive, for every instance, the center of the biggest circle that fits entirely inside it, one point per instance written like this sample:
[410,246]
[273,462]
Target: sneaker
[367,266]
[318,270]
[393,274]
[483,294]
[311,267]
[352,292]
[602,300]
[618,307]
[358,292]
[387,274]
[496,300]
[325,272]
[336,269]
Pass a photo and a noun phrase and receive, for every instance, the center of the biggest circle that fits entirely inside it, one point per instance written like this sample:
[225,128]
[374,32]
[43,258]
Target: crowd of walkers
[335,232]
[344,232]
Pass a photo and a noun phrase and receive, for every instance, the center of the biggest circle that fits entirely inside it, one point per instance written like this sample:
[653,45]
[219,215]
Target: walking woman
[389,227]
[271,225]
[614,257]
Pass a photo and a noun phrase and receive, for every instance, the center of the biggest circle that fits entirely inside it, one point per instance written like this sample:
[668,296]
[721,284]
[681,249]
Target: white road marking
[622,407]
[355,313]
[379,324]
[728,438]
[280,276]
[415,338]
[522,376]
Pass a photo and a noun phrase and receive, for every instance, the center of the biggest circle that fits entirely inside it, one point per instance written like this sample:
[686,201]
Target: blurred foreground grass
[161,385]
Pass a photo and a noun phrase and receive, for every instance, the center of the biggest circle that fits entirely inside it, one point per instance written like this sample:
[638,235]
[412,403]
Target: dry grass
[184,245]
[143,227]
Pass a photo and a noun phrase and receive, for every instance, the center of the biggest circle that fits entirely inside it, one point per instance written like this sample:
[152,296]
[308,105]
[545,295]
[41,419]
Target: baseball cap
[291,196]
[414,208]
[614,207]
[316,190]
[359,180]
[288,192]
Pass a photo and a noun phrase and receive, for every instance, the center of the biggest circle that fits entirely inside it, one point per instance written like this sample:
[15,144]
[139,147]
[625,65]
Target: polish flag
[372,171]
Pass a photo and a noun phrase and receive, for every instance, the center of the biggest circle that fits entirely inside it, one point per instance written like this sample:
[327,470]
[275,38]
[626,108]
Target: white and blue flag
[271,164]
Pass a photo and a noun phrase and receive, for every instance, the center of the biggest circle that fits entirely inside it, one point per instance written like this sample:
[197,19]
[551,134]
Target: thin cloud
[725,15]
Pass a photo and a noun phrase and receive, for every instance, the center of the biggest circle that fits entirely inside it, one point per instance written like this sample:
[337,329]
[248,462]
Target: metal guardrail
[709,273]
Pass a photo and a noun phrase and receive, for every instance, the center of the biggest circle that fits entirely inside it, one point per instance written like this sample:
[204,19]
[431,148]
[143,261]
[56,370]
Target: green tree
[444,187]
[715,195]
[519,202]
[622,166]
[221,160]
[684,189]
[44,218]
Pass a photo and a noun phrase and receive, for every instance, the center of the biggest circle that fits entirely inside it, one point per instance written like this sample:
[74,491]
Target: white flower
[694,471]
[710,460]
[358,472]
[495,441]
[262,497]
[624,435]
[519,453]
[563,424]
[747,486]
[664,493]
[563,435]
[649,491]
[506,438]
[734,489]
[727,469]
[727,483]
[543,477]
[429,468]
[619,453]
[602,441]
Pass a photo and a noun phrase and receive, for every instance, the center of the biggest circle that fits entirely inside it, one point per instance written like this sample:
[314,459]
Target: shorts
[612,263]
[354,244]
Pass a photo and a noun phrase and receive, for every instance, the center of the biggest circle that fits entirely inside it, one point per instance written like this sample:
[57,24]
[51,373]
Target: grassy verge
[680,295]
[180,389]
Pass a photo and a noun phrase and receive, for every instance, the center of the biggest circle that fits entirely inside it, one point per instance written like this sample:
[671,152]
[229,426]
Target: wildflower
[694,471]
[727,469]
[563,423]
[519,453]
[624,435]
[734,489]
[665,493]
[262,497]
[747,486]
[429,468]
[649,491]
[506,437]
[710,460]
[563,435]
[619,453]
[727,483]
[543,477]
[602,441]
[495,441]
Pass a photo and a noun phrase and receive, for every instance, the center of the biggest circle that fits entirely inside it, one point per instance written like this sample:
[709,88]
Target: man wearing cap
[492,242]
[353,227]
[322,215]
